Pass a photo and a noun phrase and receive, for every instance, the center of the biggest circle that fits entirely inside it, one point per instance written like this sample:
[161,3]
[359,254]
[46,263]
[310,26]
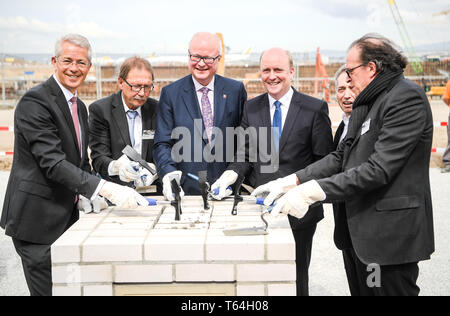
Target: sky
[166,26]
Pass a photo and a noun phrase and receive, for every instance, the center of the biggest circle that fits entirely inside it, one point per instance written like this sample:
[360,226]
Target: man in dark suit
[302,136]
[380,171]
[125,118]
[198,109]
[51,168]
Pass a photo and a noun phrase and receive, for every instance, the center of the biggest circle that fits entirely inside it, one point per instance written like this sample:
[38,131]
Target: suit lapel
[120,118]
[220,101]
[291,119]
[59,99]
[147,118]
[266,120]
[191,102]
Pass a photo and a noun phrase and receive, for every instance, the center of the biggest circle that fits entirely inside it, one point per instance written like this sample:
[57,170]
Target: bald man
[304,136]
[197,109]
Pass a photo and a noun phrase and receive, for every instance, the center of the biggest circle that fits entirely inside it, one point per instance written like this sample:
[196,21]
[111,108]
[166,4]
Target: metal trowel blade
[245,231]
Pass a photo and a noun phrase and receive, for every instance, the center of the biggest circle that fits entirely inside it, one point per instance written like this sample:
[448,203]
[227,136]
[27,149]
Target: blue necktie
[277,128]
[132,115]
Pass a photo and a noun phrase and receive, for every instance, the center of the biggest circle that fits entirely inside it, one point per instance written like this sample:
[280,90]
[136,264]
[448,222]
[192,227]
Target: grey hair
[338,73]
[74,39]
[217,38]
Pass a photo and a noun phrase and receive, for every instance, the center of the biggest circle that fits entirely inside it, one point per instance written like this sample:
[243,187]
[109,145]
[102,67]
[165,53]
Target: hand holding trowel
[146,171]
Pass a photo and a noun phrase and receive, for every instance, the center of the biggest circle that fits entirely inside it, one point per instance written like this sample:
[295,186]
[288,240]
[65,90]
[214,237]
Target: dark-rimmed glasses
[350,71]
[138,88]
[206,60]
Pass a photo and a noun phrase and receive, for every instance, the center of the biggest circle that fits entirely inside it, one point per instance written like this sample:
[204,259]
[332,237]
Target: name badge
[365,127]
[148,134]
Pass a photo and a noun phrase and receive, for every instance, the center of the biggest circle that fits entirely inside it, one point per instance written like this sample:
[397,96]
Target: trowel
[133,155]
[250,231]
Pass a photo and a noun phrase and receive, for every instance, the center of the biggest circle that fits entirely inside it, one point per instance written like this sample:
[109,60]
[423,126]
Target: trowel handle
[152,202]
[216,190]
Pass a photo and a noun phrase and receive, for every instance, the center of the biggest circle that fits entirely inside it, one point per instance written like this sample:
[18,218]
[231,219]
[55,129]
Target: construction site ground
[439,109]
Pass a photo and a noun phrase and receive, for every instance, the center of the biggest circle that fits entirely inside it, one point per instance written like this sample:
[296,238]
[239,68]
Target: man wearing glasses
[127,117]
[51,171]
[198,105]
[380,171]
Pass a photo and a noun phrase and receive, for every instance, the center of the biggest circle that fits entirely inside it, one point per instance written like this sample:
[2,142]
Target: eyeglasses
[206,60]
[67,62]
[350,71]
[138,88]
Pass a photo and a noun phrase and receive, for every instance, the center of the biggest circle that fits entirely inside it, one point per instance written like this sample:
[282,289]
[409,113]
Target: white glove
[167,187]
[275,189]
[125,169]
[122,196]
[145,177]
[227,179]
[298,200]
[87,206]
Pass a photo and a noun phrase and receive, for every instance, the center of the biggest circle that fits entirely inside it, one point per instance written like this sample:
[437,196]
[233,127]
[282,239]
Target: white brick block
[233,248]
[74,273]
[98,290]
[67,290]
[67,248]
[112,249]
[266,272]
[143,274]
[175,245]
[205,273]
[250,290]
[282,290]
[280,245]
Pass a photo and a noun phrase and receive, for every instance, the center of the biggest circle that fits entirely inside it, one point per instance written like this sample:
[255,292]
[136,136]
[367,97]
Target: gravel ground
[327,276]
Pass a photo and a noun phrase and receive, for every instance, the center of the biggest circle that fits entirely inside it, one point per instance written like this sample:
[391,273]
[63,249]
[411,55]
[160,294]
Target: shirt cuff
[111,172]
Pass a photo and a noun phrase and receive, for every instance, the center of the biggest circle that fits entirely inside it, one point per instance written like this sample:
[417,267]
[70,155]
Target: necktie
[277,128]
[76,121]
[132,116]
[207,112]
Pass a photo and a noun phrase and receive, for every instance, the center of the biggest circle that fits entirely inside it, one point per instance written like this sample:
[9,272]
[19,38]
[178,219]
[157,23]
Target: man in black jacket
[380,171]
[51,171]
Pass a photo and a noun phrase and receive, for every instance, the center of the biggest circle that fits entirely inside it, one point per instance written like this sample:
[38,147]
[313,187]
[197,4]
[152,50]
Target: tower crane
[415,62]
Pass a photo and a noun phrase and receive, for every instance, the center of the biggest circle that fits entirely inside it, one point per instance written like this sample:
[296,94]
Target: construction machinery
[321,73]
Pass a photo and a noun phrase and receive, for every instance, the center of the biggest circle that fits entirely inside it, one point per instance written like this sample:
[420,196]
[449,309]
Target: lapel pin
[224,96]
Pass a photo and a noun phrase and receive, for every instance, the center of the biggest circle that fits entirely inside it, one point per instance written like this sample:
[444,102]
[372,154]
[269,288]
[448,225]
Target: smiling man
[301,135]
[199,104]
[51,172]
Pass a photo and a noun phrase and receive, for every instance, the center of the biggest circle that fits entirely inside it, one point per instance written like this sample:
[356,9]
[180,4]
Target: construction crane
[414,60]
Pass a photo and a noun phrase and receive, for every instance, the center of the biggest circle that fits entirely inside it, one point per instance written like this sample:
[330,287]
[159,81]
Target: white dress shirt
[69,95]
[137,127]
[346,120]
[285,104]
[210,86]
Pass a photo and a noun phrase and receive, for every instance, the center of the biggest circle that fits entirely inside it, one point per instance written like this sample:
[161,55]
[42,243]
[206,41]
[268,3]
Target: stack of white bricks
[147,246]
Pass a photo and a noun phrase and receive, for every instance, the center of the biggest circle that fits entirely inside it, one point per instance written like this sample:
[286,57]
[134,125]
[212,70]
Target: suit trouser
[36,262]
[446,157]
[303,246]
[395,280]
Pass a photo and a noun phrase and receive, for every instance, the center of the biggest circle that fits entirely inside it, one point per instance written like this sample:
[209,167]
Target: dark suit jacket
[178,107]
[109,133]
[385,179]
[48,170]
[342,238]
[306,138]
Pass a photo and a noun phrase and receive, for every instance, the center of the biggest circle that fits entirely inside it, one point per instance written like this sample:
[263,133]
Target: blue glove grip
[216,190]
[135,168]
[151,202]
[260,201]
